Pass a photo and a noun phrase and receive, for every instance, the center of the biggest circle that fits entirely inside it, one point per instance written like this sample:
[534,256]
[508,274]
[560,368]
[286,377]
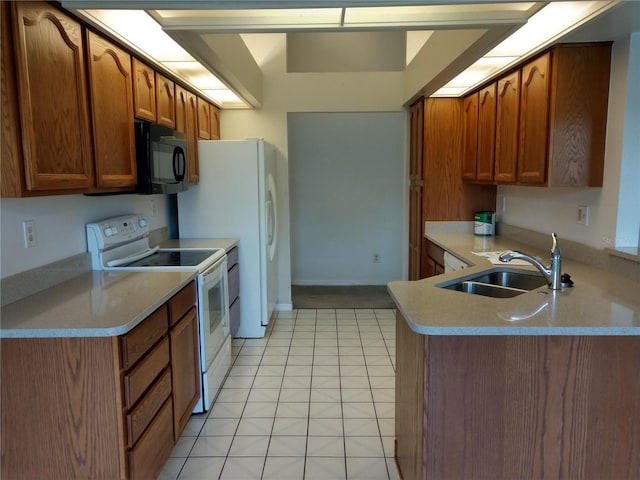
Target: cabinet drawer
[148,457]
[232,257]
[234,317]
[234,283]
[141,416]
[141,377]
[181,302]
[136,343]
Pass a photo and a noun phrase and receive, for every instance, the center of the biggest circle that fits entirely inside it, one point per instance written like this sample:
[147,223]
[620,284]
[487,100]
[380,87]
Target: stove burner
[173,258]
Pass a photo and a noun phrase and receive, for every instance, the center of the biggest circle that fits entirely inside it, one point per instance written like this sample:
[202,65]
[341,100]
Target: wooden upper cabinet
[204,119]
[507,128]
[51,82]
[144,91]
[165,101]
[215,122]
[187,122]
[578,114]
[486,133]
[112,112]
[470,136]
[534,120]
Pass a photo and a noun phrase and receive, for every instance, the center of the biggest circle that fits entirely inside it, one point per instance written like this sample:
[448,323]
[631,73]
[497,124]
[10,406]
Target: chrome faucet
[552,273]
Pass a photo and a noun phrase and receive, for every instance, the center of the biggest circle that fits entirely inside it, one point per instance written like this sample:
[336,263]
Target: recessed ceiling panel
[346,51]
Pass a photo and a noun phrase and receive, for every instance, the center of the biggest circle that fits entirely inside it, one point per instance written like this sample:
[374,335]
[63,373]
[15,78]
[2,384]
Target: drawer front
[234,317]
[141,377]
[136,343]
[181,302]
[234,283]
[148,457]
[232,257]
[141,416]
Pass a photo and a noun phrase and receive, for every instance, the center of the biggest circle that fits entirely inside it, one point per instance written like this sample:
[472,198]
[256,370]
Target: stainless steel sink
[496,283]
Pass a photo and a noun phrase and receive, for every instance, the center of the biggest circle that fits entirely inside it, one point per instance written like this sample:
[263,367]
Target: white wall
[60,221]
[304,92]
[347,196]
[555,209]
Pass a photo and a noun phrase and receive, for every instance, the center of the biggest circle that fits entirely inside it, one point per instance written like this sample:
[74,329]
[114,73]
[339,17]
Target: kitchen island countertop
[600,303]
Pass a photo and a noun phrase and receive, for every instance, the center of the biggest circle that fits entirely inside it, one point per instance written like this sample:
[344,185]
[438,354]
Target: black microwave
[161,157]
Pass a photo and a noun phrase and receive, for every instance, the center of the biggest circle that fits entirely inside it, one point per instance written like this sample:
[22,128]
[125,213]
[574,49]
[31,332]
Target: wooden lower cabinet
[517,407]
[99,407]
[185,363]
[433,259]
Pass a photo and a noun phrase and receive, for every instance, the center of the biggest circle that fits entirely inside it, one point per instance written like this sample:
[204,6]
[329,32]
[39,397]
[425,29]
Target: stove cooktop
[173,258]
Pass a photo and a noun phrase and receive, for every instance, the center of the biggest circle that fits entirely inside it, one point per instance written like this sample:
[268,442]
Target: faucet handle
[555,248]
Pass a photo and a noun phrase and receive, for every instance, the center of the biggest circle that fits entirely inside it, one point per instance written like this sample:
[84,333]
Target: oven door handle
[121,261]
[214,267]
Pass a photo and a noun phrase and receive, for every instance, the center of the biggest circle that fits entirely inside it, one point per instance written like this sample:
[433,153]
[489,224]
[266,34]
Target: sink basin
[496,283]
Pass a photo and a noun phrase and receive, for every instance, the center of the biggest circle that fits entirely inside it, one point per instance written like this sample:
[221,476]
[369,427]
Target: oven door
[215,350]
[214,311]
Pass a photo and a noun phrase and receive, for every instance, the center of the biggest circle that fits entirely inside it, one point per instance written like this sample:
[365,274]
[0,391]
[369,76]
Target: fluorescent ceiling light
[145,36]
[354,18]
[542,29]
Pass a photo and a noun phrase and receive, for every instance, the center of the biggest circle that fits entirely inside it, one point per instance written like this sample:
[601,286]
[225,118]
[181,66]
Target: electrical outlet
[29,230]
[376,258]
[582,216]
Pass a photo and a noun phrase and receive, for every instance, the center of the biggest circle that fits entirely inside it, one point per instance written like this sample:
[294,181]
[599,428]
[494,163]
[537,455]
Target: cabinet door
[112,112]
[215,122]
[204,119]
[470,138]
[52,91]
[486,132]
[534,121]
[144,91]
[185,370]
[415,189]
[165,101]
[187,122]
[507,122]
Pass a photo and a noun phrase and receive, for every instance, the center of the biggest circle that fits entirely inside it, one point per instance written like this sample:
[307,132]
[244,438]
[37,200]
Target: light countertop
[97,303]
[94,304]
[600,303]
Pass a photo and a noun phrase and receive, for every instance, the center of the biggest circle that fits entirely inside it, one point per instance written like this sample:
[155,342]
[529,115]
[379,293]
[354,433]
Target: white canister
[484,224]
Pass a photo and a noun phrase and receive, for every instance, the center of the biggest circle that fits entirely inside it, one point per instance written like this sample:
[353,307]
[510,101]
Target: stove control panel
[116,230]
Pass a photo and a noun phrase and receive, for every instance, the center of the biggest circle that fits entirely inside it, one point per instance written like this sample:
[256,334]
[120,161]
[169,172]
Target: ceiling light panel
[438,15]
[250,20]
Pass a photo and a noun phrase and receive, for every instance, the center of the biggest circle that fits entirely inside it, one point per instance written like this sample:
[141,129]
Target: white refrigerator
[236,198]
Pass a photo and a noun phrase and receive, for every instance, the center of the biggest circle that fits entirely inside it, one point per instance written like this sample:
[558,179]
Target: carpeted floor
[351,296]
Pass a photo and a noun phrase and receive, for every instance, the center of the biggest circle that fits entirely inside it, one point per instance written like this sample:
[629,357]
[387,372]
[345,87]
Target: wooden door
[186,122]
[416,226]
[51,81]
[534,121]
[470,138]
[112,112]
[507,123]
[185,370]
[165,101]
[204,119]
[215,122]
[486,133]
[144,91]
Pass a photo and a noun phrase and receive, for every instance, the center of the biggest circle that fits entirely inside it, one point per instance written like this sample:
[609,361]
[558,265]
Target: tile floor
[314,399]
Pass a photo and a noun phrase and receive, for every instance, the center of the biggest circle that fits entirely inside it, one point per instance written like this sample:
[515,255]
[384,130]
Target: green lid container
[484,224]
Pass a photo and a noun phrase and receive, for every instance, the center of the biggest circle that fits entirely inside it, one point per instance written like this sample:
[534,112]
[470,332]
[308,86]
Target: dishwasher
[453,263]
